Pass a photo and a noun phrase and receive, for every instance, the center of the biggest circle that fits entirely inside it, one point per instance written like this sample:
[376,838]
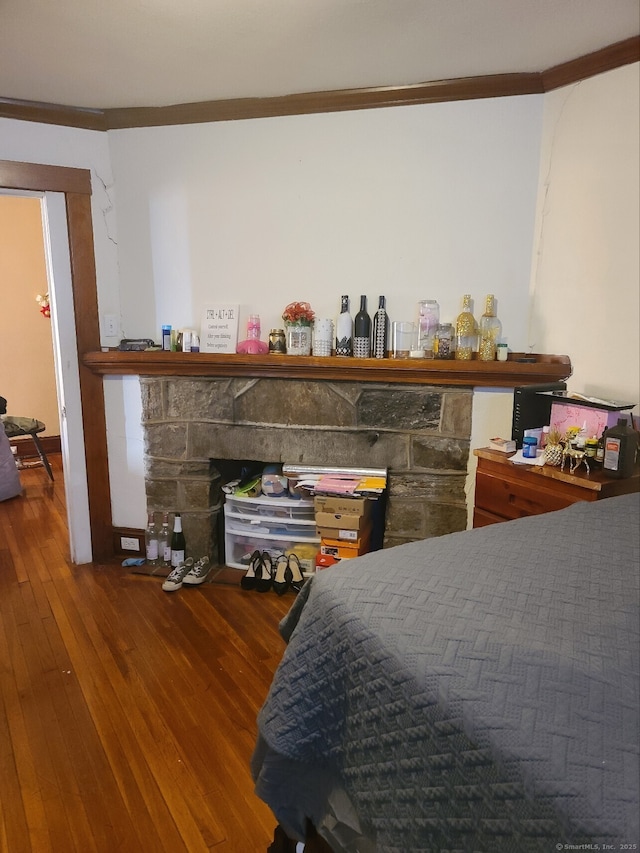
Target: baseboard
[25,448]
[135,537]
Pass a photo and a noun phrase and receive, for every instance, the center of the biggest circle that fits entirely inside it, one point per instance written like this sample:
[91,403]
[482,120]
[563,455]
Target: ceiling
[134,53]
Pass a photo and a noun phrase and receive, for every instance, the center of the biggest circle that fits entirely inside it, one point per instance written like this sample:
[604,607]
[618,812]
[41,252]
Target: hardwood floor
[128,714]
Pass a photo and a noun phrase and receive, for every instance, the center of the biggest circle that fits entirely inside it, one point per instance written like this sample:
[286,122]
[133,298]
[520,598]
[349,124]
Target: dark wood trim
[25,448]
[509,374]
[88,119]
[614,56]
[467,88]
[117,533]
[85,297]
[41,178]
[232,109]
[76,184]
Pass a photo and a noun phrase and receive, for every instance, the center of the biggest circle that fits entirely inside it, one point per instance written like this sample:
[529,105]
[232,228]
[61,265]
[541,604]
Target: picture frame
[219,328]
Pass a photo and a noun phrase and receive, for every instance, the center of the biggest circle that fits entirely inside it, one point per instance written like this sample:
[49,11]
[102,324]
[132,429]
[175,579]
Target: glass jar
[444,341]
[277,342]
[298,339]
[429,311]
[529,447]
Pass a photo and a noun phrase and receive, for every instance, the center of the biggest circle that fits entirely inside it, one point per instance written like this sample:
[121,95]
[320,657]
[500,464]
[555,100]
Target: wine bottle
[178,544]
[362,331]
[344,329]
[466,331]
[151,540]
[380,334]
[490,331]
[164,541]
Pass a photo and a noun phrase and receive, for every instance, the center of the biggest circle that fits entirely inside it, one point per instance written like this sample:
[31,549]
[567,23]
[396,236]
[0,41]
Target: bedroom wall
[584,285]
[413,202]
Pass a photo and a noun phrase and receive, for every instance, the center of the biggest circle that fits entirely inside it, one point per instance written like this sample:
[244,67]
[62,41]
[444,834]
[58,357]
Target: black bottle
[344,329]
[362,332]
[380,334]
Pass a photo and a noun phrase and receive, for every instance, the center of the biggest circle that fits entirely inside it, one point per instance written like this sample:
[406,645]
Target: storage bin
[254,525]
[293,508]
[275,525]
[240,544]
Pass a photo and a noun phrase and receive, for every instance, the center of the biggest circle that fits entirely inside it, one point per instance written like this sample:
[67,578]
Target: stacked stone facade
[420,434]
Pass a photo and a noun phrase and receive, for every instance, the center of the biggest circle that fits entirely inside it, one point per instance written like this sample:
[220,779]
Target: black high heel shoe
[250,580]
[297,579]
[281,575]
[264,573]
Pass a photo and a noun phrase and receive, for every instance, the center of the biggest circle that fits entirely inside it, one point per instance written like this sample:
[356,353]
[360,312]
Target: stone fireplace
[419,433]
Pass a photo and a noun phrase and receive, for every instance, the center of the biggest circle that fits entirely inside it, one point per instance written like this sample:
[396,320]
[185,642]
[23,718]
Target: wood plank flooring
[128,714]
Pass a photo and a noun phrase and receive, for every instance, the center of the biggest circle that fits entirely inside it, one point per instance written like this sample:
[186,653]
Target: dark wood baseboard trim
[25,448]
[135,535]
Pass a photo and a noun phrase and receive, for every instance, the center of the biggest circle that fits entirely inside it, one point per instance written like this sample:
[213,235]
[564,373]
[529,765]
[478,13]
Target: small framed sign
[219,332]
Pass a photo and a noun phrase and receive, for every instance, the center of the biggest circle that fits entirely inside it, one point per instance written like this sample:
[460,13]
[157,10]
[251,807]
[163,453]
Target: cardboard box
[341,504]
[341,526]
[342,550]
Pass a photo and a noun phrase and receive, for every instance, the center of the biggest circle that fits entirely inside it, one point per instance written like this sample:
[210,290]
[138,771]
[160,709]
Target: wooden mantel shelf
[508,374]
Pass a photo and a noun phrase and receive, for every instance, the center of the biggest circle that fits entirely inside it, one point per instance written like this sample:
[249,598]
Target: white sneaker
[198,573]
[177,575]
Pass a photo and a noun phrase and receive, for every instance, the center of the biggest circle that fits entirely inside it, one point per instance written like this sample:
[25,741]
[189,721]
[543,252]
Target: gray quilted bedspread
[473,692]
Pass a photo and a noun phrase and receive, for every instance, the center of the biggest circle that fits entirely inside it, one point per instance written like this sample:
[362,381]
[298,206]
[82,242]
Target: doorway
[68,230]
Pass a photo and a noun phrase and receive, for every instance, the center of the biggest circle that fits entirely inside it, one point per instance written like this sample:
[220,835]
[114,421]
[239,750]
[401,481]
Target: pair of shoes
[287,574]
[188,573]
[198,572]
[176,576]
[259,575]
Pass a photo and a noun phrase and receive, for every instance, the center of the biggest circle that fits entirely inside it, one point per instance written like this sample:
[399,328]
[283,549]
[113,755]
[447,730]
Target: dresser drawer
[509,499]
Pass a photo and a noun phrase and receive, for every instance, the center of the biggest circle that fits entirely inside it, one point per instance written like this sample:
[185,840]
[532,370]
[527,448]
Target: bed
[473,692]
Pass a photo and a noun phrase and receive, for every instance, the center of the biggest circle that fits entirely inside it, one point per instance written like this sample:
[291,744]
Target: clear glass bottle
[344,329]
[466,331]
[362,331]
[178,544]
[490,331]
[164,541]
[380,334]
[151,540]
[429,317]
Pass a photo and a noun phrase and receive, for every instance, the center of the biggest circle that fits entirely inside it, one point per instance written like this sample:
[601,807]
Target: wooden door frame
[75,184]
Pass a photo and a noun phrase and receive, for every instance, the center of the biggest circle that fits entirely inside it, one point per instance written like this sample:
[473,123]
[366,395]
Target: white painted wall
[585,281]
[413,202]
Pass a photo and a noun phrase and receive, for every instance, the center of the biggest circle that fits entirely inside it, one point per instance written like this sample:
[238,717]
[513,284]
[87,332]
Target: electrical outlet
[111,325]
[127,543]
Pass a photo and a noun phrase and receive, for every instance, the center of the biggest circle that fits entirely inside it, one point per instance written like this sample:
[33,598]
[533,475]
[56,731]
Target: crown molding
[234,109]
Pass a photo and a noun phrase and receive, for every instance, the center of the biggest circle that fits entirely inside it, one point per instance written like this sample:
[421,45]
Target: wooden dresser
[506,490]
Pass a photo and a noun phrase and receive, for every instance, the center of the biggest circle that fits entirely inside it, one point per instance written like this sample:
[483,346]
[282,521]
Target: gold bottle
[490,331]
[466,331]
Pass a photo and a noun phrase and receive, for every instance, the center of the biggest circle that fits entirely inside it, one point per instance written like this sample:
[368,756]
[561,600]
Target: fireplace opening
[266,509]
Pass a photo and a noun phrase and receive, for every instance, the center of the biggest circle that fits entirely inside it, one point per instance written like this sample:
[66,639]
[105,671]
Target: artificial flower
[298,312]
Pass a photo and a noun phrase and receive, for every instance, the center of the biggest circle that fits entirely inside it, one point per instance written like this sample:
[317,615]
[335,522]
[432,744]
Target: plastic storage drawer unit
[274,525]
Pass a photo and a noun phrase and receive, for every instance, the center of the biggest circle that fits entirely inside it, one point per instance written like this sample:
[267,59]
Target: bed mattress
[473,692]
